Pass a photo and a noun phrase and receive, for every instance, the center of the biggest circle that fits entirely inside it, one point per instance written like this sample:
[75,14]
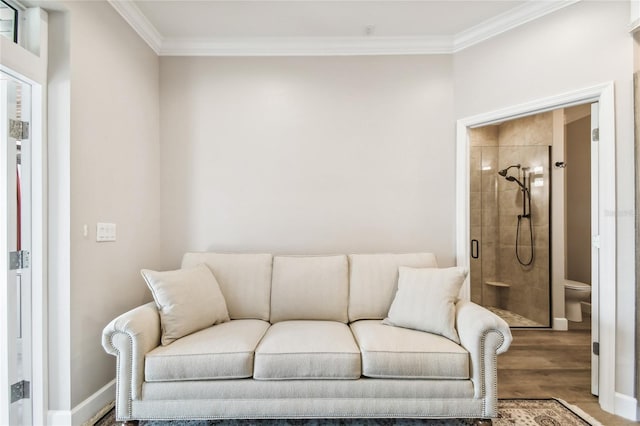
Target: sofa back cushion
[245,281]
[374,281]
[310,288]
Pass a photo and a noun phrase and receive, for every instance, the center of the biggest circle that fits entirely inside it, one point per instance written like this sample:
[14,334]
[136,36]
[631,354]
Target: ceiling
[325,27]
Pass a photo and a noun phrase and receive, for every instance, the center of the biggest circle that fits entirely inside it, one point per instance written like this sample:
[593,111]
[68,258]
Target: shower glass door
[510,211]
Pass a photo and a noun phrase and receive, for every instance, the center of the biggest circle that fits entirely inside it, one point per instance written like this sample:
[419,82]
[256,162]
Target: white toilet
[574,293]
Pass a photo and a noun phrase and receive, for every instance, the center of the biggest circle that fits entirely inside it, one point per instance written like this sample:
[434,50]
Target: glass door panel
[509,219]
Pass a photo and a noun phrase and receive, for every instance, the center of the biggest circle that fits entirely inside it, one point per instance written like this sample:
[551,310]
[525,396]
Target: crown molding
[139,22]
[334,46]
[307,46]
[507,21]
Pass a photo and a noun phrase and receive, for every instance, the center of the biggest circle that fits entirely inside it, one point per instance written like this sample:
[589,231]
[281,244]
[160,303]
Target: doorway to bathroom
[525,174]
[603,202]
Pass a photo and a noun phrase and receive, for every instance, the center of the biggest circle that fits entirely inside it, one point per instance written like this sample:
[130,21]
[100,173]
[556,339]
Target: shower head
[503,172]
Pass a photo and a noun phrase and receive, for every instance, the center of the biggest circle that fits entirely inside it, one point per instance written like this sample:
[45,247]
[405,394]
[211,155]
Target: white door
[595,250]
[15,246]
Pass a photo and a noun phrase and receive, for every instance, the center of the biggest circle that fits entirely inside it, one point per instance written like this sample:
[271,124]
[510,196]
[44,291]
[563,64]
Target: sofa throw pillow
[188,300]
[426,300]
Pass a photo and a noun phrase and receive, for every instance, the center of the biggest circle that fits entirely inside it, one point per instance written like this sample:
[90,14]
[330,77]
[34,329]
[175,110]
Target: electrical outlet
[105,232]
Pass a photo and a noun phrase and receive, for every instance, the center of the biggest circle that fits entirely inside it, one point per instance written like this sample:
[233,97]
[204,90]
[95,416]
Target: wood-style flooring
[553,364]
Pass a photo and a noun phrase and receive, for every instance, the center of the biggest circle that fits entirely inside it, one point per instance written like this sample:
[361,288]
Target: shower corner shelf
[497,284]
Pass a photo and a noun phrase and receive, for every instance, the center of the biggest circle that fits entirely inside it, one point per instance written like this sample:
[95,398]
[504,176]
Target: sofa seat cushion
[224,351]
[307,350]
[393,352]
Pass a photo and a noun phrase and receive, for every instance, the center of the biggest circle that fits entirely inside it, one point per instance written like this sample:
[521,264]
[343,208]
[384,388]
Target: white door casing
[595,248]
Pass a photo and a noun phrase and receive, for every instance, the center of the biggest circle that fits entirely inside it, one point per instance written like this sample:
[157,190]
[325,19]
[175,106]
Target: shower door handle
[475,249]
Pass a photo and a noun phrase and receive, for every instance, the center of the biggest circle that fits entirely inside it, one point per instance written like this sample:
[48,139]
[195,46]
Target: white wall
[580,46]
[636,51]
[114,159]
[307,155]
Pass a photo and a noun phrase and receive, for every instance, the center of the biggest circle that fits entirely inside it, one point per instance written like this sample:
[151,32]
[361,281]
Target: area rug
[542,412]
[520,412]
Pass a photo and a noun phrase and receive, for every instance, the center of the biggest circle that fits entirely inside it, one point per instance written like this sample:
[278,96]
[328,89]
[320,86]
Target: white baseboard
[58,418]
[560,324]
[86,410]
[626,406]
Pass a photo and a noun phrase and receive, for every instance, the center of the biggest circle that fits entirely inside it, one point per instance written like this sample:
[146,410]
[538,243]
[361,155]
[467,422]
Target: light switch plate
[105,232]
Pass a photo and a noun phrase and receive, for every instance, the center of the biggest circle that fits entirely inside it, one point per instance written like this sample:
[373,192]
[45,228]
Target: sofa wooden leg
[484,422]
[130,423]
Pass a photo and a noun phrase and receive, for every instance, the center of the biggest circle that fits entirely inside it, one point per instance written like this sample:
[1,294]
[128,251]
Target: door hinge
[595,135]
[18,260]
[595,241]
[20,390]
[596,348]
[19,130]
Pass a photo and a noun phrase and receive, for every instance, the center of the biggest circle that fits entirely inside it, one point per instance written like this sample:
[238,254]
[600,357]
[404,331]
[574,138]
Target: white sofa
[305,340]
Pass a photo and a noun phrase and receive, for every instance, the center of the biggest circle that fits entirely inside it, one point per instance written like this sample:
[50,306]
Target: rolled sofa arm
[129,337]
[484,335]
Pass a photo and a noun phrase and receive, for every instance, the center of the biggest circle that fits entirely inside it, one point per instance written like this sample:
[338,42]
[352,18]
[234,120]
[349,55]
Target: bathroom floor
[513,319]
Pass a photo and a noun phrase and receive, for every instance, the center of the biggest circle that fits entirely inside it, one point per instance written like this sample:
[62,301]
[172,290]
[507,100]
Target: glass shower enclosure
[510,200]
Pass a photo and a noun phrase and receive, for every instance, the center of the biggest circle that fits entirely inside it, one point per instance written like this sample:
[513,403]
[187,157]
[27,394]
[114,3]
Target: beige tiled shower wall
[495,206]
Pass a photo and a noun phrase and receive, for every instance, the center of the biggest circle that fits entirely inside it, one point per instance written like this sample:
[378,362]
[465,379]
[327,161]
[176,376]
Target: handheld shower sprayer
[526,207]
[514,179]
